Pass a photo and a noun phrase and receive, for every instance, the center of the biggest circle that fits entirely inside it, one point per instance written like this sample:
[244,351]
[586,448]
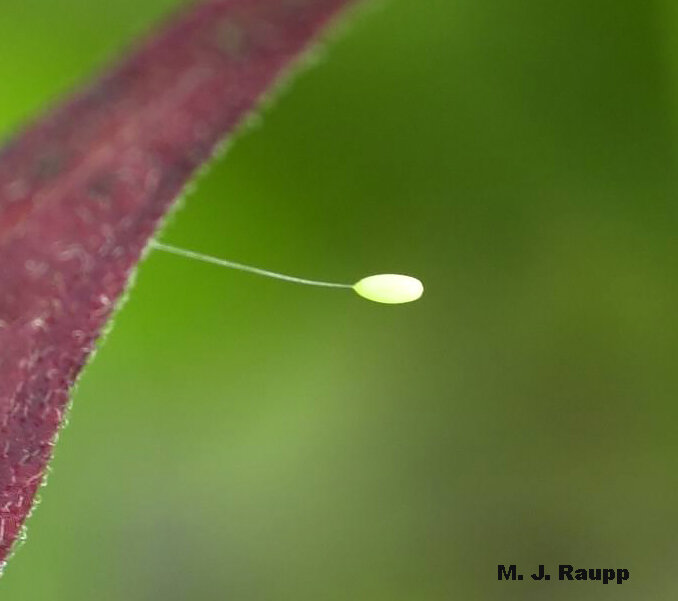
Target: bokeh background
[240,438]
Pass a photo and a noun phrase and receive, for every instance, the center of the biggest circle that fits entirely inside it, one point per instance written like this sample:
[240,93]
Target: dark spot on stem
[48,164]
[100,190]
[233,39]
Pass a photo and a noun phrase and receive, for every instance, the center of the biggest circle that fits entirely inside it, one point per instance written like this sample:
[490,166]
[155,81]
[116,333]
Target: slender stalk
[182,252]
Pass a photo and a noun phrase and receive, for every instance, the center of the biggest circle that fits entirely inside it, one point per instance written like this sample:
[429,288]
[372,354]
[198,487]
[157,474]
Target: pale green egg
[390,288]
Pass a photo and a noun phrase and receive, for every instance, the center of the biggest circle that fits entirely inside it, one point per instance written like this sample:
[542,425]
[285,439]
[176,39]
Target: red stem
[83,190]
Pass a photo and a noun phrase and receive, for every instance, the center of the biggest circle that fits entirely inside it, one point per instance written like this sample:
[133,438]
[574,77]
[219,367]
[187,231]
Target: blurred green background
[239,438]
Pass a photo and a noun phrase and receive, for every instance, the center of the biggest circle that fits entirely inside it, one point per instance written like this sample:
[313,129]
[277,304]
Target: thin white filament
[240,267]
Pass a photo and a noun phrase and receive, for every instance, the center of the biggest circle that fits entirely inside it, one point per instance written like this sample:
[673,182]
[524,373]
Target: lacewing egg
[390,288]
